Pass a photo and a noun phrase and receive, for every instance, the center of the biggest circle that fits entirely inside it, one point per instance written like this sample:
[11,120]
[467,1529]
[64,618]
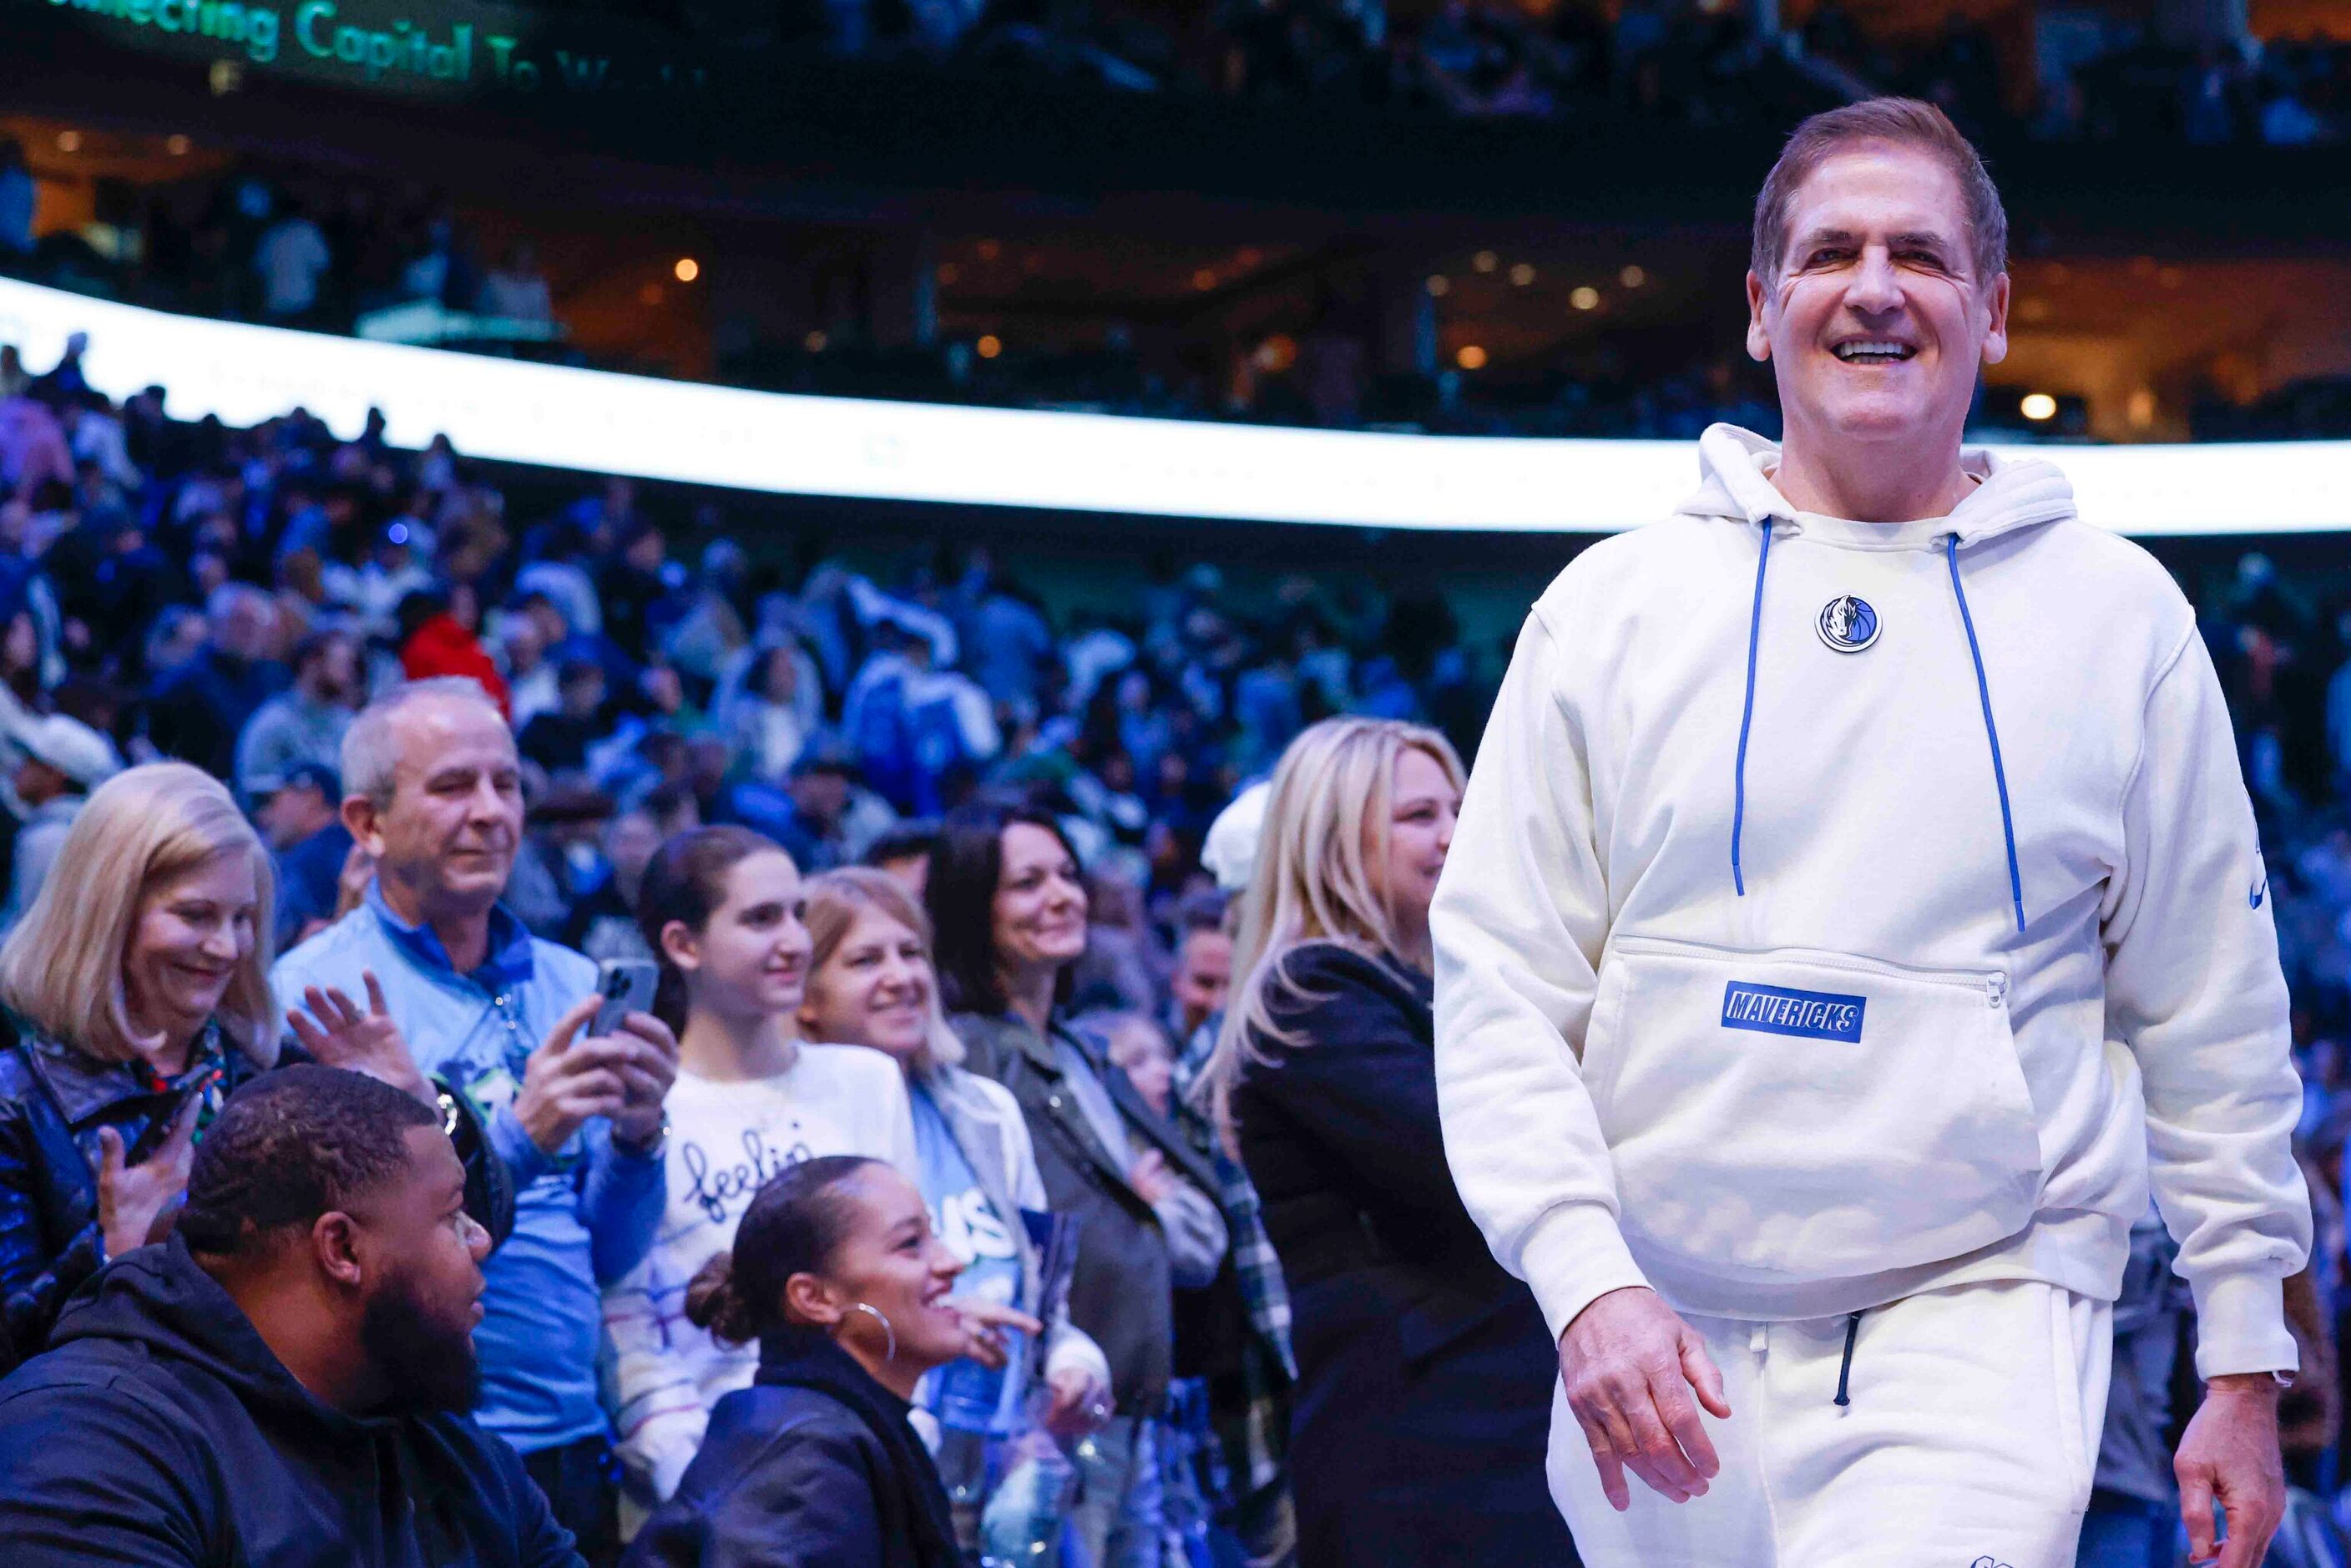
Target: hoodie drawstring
[1983,692]
[1845,1371]
[1747,715]
[1992,732]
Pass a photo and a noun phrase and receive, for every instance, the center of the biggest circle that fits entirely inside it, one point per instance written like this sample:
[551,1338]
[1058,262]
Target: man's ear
[360,819]
[335,1246]
[1759,338]
[811,1300]
[1995,343]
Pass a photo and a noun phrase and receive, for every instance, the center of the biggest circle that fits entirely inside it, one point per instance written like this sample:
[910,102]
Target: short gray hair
[370,747]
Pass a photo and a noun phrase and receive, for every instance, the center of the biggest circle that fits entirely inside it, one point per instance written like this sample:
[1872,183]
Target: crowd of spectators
[234,598]
[290,250]
[1579,60]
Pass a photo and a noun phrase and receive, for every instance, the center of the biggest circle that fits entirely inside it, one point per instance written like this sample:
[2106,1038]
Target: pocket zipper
[1993,983]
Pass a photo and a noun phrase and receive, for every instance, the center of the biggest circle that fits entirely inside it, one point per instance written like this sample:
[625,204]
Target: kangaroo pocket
[1809,1114]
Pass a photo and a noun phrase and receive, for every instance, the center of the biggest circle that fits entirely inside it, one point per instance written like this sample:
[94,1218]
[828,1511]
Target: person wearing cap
[300,818]
[64,759]
[305,723]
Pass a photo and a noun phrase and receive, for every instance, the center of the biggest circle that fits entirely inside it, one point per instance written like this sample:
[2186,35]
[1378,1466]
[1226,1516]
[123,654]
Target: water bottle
[1022,1525]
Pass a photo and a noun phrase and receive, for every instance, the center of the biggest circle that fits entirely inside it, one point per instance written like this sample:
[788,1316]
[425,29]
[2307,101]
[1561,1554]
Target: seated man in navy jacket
[284,1380]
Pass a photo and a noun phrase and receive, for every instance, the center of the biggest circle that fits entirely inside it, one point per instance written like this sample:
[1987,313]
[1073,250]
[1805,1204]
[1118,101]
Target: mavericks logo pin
[1848,625]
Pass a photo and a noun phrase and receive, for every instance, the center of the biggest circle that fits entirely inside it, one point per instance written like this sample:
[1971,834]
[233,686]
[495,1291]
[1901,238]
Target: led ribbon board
[559,417]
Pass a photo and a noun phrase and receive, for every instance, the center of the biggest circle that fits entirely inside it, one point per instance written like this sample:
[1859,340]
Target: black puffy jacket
[54,1100]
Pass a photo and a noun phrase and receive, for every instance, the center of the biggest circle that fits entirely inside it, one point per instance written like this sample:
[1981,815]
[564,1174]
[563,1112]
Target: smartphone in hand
[626,985]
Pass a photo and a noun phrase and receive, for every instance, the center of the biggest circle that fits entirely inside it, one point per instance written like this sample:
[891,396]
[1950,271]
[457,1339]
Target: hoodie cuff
[1573,1255]
[2241,1326]
[523,1157]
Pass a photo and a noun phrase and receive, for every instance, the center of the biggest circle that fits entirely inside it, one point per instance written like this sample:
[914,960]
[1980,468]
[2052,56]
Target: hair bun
[713,1303]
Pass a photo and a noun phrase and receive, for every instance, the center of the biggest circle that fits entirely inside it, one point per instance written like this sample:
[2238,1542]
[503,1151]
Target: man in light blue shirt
[433,793]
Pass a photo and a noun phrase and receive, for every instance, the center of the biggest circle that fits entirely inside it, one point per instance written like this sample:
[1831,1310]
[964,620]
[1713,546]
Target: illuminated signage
[439,47]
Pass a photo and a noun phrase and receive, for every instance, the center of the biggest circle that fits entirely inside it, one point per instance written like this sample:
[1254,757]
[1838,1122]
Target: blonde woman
[138,998]
[1423,1407]
[871,983]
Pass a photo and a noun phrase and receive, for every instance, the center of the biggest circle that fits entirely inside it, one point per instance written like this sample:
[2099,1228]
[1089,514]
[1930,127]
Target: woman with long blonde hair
[1422,1413]
[137,997]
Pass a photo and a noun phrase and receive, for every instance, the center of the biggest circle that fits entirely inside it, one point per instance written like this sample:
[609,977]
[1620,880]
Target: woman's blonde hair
[1319,874]
[61,968]
[835,900]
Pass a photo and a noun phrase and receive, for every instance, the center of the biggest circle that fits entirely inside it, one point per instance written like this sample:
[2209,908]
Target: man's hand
[646,1060]
[338,1034]
[565,1083]
[2229,1455]
[1630,1365]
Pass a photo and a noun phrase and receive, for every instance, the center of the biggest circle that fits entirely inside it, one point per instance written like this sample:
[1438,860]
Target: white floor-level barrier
[655,429]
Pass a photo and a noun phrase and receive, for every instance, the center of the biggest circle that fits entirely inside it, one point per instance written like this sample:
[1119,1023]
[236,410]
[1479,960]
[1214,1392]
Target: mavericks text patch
[1774,1009]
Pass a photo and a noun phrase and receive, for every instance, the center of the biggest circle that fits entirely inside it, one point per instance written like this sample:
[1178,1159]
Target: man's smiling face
[1875,321]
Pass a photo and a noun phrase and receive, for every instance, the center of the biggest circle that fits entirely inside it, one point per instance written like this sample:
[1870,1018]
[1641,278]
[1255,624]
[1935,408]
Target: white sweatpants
[1969,1441]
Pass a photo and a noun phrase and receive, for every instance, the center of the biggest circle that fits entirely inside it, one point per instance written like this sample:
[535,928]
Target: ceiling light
[687,269]
[1585,297]
[177,146]
[1522,274]
[815,342]
[1470,357]
[1631,277]
[990,346]
[1440,285]
[1485,261]
[2038,407]
[68,140]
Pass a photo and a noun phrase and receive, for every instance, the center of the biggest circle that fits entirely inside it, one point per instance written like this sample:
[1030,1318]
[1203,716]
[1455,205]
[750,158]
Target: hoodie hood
[1735,468]
[160,1300]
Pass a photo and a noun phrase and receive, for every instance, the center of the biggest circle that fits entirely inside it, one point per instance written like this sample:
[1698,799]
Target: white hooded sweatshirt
[1863,909]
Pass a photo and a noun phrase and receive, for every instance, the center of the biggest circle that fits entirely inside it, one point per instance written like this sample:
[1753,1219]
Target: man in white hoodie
[1855,903]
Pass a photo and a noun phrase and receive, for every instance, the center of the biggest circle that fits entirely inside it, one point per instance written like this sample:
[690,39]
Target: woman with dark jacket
[836,1274]
[137,999]
[1008,909]
[1423,1409]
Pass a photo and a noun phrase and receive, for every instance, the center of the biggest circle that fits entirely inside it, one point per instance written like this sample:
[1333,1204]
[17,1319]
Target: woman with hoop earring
[836,1277]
